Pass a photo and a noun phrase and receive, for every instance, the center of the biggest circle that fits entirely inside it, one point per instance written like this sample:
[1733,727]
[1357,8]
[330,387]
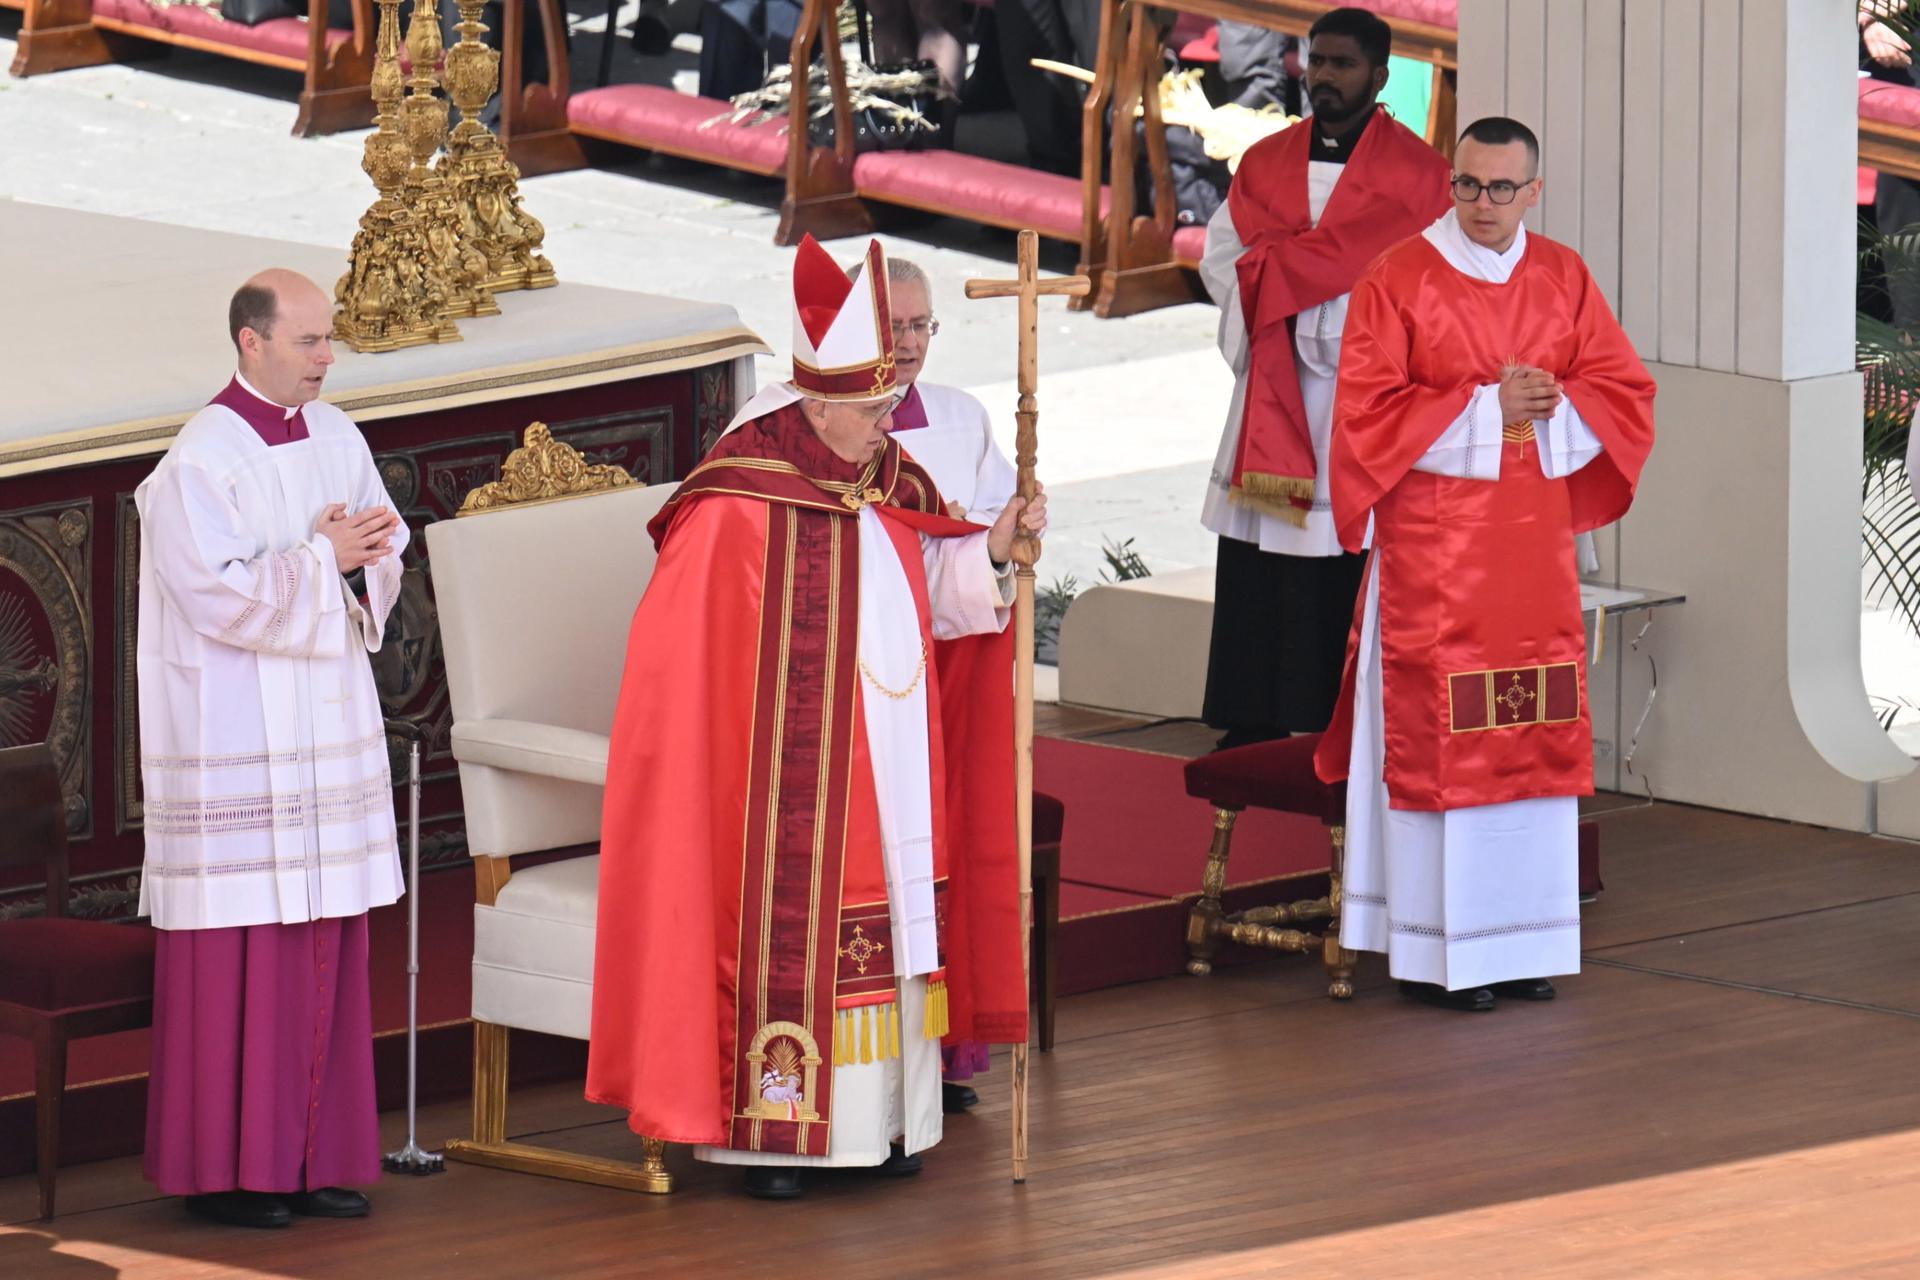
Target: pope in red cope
[1489,409]
[808,871]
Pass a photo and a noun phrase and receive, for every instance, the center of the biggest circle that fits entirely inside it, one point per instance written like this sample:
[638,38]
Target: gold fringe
[839,1037]
[936,1023]
[893,1030]
[1273,496]
[866,1033]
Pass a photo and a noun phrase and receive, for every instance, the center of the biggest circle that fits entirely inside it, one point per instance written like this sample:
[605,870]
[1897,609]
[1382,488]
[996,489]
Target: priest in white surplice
[947,431]
[808,876]
[269,560]
[942,428]
[1489,409]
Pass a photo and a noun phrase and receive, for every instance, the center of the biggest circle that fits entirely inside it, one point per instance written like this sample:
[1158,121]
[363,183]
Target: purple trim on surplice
[911,413]
[262,1075]
[269,420]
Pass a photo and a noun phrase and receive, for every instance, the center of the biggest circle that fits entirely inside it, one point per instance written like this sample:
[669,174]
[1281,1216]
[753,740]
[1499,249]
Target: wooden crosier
[1028,288]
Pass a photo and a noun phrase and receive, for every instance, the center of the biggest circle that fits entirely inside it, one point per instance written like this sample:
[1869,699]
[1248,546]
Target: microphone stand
[410,1158]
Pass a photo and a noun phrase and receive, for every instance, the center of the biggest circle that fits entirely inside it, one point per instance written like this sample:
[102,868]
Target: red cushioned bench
[654,118]
[975,188]
[337,65]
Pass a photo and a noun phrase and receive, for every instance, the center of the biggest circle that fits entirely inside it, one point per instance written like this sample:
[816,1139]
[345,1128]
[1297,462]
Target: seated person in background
[933,30]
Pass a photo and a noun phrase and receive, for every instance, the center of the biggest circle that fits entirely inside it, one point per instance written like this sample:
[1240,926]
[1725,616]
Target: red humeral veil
[1483,653]
[1393,186]
[741,884]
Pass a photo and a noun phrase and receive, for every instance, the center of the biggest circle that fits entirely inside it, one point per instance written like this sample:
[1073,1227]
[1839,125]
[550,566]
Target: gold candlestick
[392,296]
[485,184]
[462,266]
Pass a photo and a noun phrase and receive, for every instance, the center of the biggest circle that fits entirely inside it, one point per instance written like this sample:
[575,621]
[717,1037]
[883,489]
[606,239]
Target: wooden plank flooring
[1732,1088]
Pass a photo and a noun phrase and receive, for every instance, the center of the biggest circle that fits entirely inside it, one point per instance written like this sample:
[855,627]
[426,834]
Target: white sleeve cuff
[1469,448]
[1567,443]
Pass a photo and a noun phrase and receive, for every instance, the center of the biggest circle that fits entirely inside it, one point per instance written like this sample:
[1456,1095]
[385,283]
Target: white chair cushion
[572,755]
[533,949]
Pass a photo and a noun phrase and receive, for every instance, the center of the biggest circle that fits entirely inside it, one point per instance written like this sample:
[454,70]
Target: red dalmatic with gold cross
[1482,647]
[744,943]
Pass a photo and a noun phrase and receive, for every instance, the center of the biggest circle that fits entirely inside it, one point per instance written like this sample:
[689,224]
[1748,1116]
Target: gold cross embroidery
[860,949]
[1515,696]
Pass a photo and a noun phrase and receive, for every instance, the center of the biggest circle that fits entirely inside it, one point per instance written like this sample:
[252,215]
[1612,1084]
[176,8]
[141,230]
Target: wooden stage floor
[1731,1088]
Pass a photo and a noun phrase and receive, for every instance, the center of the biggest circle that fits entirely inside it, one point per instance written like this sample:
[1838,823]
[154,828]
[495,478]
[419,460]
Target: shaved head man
[269,560]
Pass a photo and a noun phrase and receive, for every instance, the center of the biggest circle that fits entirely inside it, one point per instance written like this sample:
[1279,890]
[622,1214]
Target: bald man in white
[269,559]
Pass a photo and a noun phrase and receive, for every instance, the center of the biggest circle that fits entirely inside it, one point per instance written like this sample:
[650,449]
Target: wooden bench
[337,65]
[827,188]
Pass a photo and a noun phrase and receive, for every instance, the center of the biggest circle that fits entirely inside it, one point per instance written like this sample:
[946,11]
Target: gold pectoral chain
[918,672]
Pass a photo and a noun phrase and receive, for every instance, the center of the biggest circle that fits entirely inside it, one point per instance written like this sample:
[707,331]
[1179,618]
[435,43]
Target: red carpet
[1131,862]
[1133,854]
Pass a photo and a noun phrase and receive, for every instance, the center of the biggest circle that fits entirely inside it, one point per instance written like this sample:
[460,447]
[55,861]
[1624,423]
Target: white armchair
[536,589]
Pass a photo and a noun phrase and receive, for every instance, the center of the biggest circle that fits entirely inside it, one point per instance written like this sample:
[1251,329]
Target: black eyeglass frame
[1473,187]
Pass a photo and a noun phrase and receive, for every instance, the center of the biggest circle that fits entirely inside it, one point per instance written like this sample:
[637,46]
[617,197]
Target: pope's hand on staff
[1031,518]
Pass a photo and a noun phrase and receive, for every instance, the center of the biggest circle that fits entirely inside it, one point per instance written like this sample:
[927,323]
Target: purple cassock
[262,1073]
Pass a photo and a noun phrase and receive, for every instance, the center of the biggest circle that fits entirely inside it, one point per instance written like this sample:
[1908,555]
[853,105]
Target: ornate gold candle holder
[426,193]
[485,185]
[393,295]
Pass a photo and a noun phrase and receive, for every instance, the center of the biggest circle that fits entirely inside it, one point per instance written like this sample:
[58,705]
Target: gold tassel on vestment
[935,1024]
[1274,496]
[866,1033]
[839,1037]
[893,1030]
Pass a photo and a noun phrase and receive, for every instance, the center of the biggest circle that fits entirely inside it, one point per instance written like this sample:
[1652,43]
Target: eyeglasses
[1467,190]
[919,328]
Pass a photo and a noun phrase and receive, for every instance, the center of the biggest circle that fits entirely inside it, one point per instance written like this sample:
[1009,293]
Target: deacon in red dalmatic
[1489,409]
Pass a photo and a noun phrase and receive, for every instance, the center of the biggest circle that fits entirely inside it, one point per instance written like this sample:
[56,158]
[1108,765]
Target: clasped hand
[1527,393]
[357,539]
[1029,518]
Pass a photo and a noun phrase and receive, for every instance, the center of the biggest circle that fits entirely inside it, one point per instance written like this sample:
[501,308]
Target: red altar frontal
[642,382]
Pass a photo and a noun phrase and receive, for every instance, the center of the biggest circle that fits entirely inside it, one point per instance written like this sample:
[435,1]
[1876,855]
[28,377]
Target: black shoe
[1470,1000]
[898,1164]
[957,1098]
[329,1202]
[1523,989]
[241,1209]
[773,1182]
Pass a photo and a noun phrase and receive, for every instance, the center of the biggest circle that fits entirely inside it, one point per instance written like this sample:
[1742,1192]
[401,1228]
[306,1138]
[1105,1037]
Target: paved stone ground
[1131,410]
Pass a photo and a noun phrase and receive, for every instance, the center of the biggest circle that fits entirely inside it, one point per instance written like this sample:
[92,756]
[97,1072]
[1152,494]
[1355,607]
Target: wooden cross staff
[1026,553]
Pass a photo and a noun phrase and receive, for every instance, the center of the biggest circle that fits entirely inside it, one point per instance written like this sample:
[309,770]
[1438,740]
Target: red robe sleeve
[1613,391]
[1383,421]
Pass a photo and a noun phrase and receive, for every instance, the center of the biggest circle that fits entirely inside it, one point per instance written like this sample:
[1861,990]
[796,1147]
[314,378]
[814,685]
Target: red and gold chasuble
[1481,642]
[744,943]
[1394,186]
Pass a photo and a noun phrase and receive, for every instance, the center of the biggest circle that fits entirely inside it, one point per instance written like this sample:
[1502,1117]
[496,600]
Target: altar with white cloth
[115,333]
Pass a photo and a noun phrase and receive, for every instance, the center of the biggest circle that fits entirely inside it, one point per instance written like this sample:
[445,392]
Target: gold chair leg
[489,1082]
[1203,922]
[1338,959]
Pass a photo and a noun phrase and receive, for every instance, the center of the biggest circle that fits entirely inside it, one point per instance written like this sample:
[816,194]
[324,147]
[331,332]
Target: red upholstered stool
[1049,821]
[1268,775]
[60,979]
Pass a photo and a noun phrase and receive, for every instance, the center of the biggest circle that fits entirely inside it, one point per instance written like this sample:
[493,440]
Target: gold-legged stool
[1274,775]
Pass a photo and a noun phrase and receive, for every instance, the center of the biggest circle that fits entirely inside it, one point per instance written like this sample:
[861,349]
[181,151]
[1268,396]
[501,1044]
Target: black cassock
[1280,627]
